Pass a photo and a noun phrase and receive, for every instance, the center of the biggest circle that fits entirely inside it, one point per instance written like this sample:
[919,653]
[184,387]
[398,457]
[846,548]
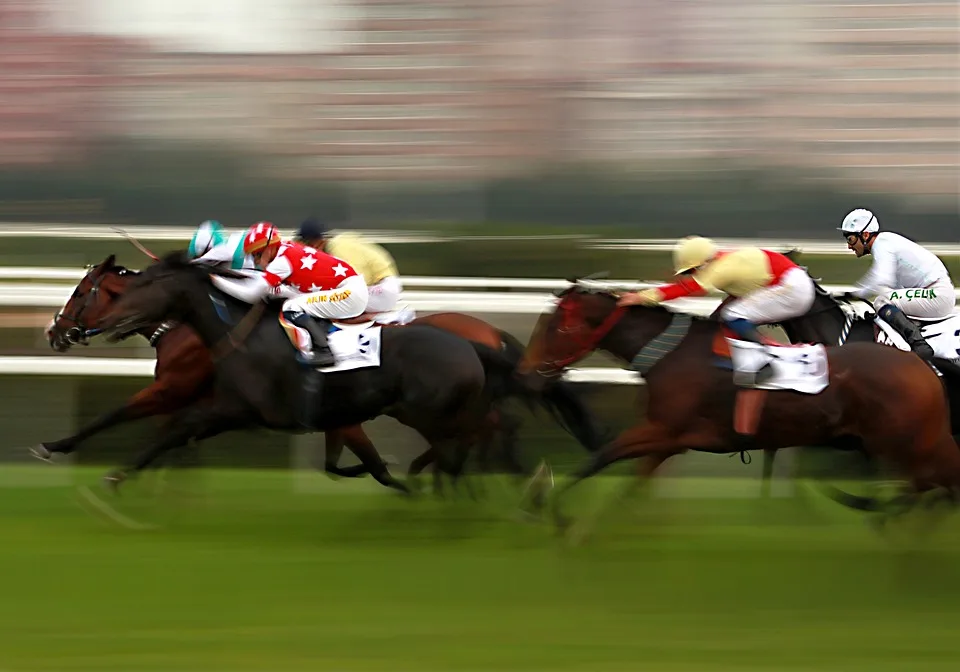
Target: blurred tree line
[137,182]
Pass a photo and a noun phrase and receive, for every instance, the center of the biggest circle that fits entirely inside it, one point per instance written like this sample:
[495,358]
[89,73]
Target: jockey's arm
[258,286]
[249,290]
[686,286]
[881,276]
[221,254]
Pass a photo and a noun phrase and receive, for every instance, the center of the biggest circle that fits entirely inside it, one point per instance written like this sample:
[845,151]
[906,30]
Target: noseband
[79,334]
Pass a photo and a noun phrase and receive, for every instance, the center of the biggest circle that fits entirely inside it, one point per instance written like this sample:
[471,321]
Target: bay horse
[184,373]
[887,400]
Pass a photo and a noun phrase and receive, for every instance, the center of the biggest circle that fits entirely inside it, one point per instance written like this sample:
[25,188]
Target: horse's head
[174,287]
[159,292]
[584,314]
[92,298]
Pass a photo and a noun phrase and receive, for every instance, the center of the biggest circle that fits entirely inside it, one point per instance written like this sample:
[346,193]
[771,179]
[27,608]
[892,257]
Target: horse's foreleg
[650,439]
[157,399]
[202,420]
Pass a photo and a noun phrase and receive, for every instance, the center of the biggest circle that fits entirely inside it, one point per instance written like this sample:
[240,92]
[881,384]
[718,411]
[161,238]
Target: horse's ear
[793,254]
[108,263]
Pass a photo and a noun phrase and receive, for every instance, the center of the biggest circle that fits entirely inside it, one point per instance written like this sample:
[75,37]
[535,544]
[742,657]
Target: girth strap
[661,346]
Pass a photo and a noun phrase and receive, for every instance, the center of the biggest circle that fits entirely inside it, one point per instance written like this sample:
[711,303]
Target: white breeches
[384,295]
[347,300]
[791,297]
[939,300]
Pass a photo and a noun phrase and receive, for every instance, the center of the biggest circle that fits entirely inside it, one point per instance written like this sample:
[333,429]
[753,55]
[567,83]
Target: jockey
[207,236]
[767,286]
[315,285]
[211,245]
[369,259]
[904,281]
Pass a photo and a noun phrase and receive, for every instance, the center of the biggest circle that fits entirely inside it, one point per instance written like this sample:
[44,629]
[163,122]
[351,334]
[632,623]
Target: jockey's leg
[910,331]
[792,296]
[348,300]
[897,306]
[383,295]
[319,353]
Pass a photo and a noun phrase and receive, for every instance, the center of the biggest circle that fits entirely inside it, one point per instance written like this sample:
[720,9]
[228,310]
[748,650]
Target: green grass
[250,575]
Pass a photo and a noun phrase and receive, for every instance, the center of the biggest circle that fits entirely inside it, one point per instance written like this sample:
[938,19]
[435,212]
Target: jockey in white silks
[372,261]
[906,280]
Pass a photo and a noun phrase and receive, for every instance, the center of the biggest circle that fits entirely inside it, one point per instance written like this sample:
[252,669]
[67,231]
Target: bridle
[576,328]
[79,334]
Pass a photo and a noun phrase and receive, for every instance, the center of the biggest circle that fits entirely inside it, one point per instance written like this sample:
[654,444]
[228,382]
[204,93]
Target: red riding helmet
[259,237]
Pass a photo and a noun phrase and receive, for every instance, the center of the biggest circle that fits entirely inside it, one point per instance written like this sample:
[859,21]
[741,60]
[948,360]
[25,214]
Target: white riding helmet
[691,252]
[859,221]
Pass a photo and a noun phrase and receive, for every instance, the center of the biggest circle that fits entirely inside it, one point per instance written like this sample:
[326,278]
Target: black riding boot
[907,328]
[322,356]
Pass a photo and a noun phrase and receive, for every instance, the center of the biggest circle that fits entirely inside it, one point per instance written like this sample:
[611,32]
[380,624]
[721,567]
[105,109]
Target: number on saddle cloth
[801,368]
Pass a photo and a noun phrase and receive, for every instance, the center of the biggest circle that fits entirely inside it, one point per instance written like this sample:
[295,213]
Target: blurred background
[479,141]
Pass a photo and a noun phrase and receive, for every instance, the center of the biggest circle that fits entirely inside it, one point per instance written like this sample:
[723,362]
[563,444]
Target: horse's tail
[502,381]
[562,401]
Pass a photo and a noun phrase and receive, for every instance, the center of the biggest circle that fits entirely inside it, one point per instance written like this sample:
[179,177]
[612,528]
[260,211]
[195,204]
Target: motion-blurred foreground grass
[251,574]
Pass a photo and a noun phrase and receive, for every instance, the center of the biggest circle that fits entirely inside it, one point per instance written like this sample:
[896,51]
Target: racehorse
[184,373]
[886,399]
[835,321]
[429,379]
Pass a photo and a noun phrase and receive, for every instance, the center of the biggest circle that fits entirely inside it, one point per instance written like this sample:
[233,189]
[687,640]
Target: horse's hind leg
[356,440]
[768,458]
[371,461]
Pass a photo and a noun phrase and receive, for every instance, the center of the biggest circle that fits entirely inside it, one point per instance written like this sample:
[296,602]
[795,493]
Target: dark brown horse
[888,401]
[184,372]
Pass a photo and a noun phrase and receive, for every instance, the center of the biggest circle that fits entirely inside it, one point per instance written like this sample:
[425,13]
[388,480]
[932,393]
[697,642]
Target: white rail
[60,365]
[184,233]
[55,296]
[518,303]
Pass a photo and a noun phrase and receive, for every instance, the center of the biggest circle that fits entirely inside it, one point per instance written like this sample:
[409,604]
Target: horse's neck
[634,331]
[217,314]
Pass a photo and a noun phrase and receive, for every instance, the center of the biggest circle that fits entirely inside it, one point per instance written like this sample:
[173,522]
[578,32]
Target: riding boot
[748,331]
[911,333]
[321,355]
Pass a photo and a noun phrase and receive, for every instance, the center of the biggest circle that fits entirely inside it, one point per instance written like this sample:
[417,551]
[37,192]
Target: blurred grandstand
[465,89]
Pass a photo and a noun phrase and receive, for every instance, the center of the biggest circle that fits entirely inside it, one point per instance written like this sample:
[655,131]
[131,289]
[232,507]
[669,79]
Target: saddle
[749,403]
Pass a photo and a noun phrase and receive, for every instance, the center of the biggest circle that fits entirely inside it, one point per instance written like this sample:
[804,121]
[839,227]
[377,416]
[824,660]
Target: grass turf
[251,574]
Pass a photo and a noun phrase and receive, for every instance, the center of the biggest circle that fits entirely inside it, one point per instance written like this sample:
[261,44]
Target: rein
[234,338]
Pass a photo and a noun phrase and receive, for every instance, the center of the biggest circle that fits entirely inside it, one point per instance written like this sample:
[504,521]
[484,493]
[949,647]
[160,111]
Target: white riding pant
[349,299]
[937,300]
[384,295]
[792,297]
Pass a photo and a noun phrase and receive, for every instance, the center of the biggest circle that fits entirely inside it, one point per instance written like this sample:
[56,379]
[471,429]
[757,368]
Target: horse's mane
[180,260]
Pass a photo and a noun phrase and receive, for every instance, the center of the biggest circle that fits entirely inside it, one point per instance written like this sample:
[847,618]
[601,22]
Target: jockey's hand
[648,297]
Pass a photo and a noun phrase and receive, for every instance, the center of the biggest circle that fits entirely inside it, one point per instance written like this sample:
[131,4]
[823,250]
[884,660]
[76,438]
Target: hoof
[113,480]
[41,453]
